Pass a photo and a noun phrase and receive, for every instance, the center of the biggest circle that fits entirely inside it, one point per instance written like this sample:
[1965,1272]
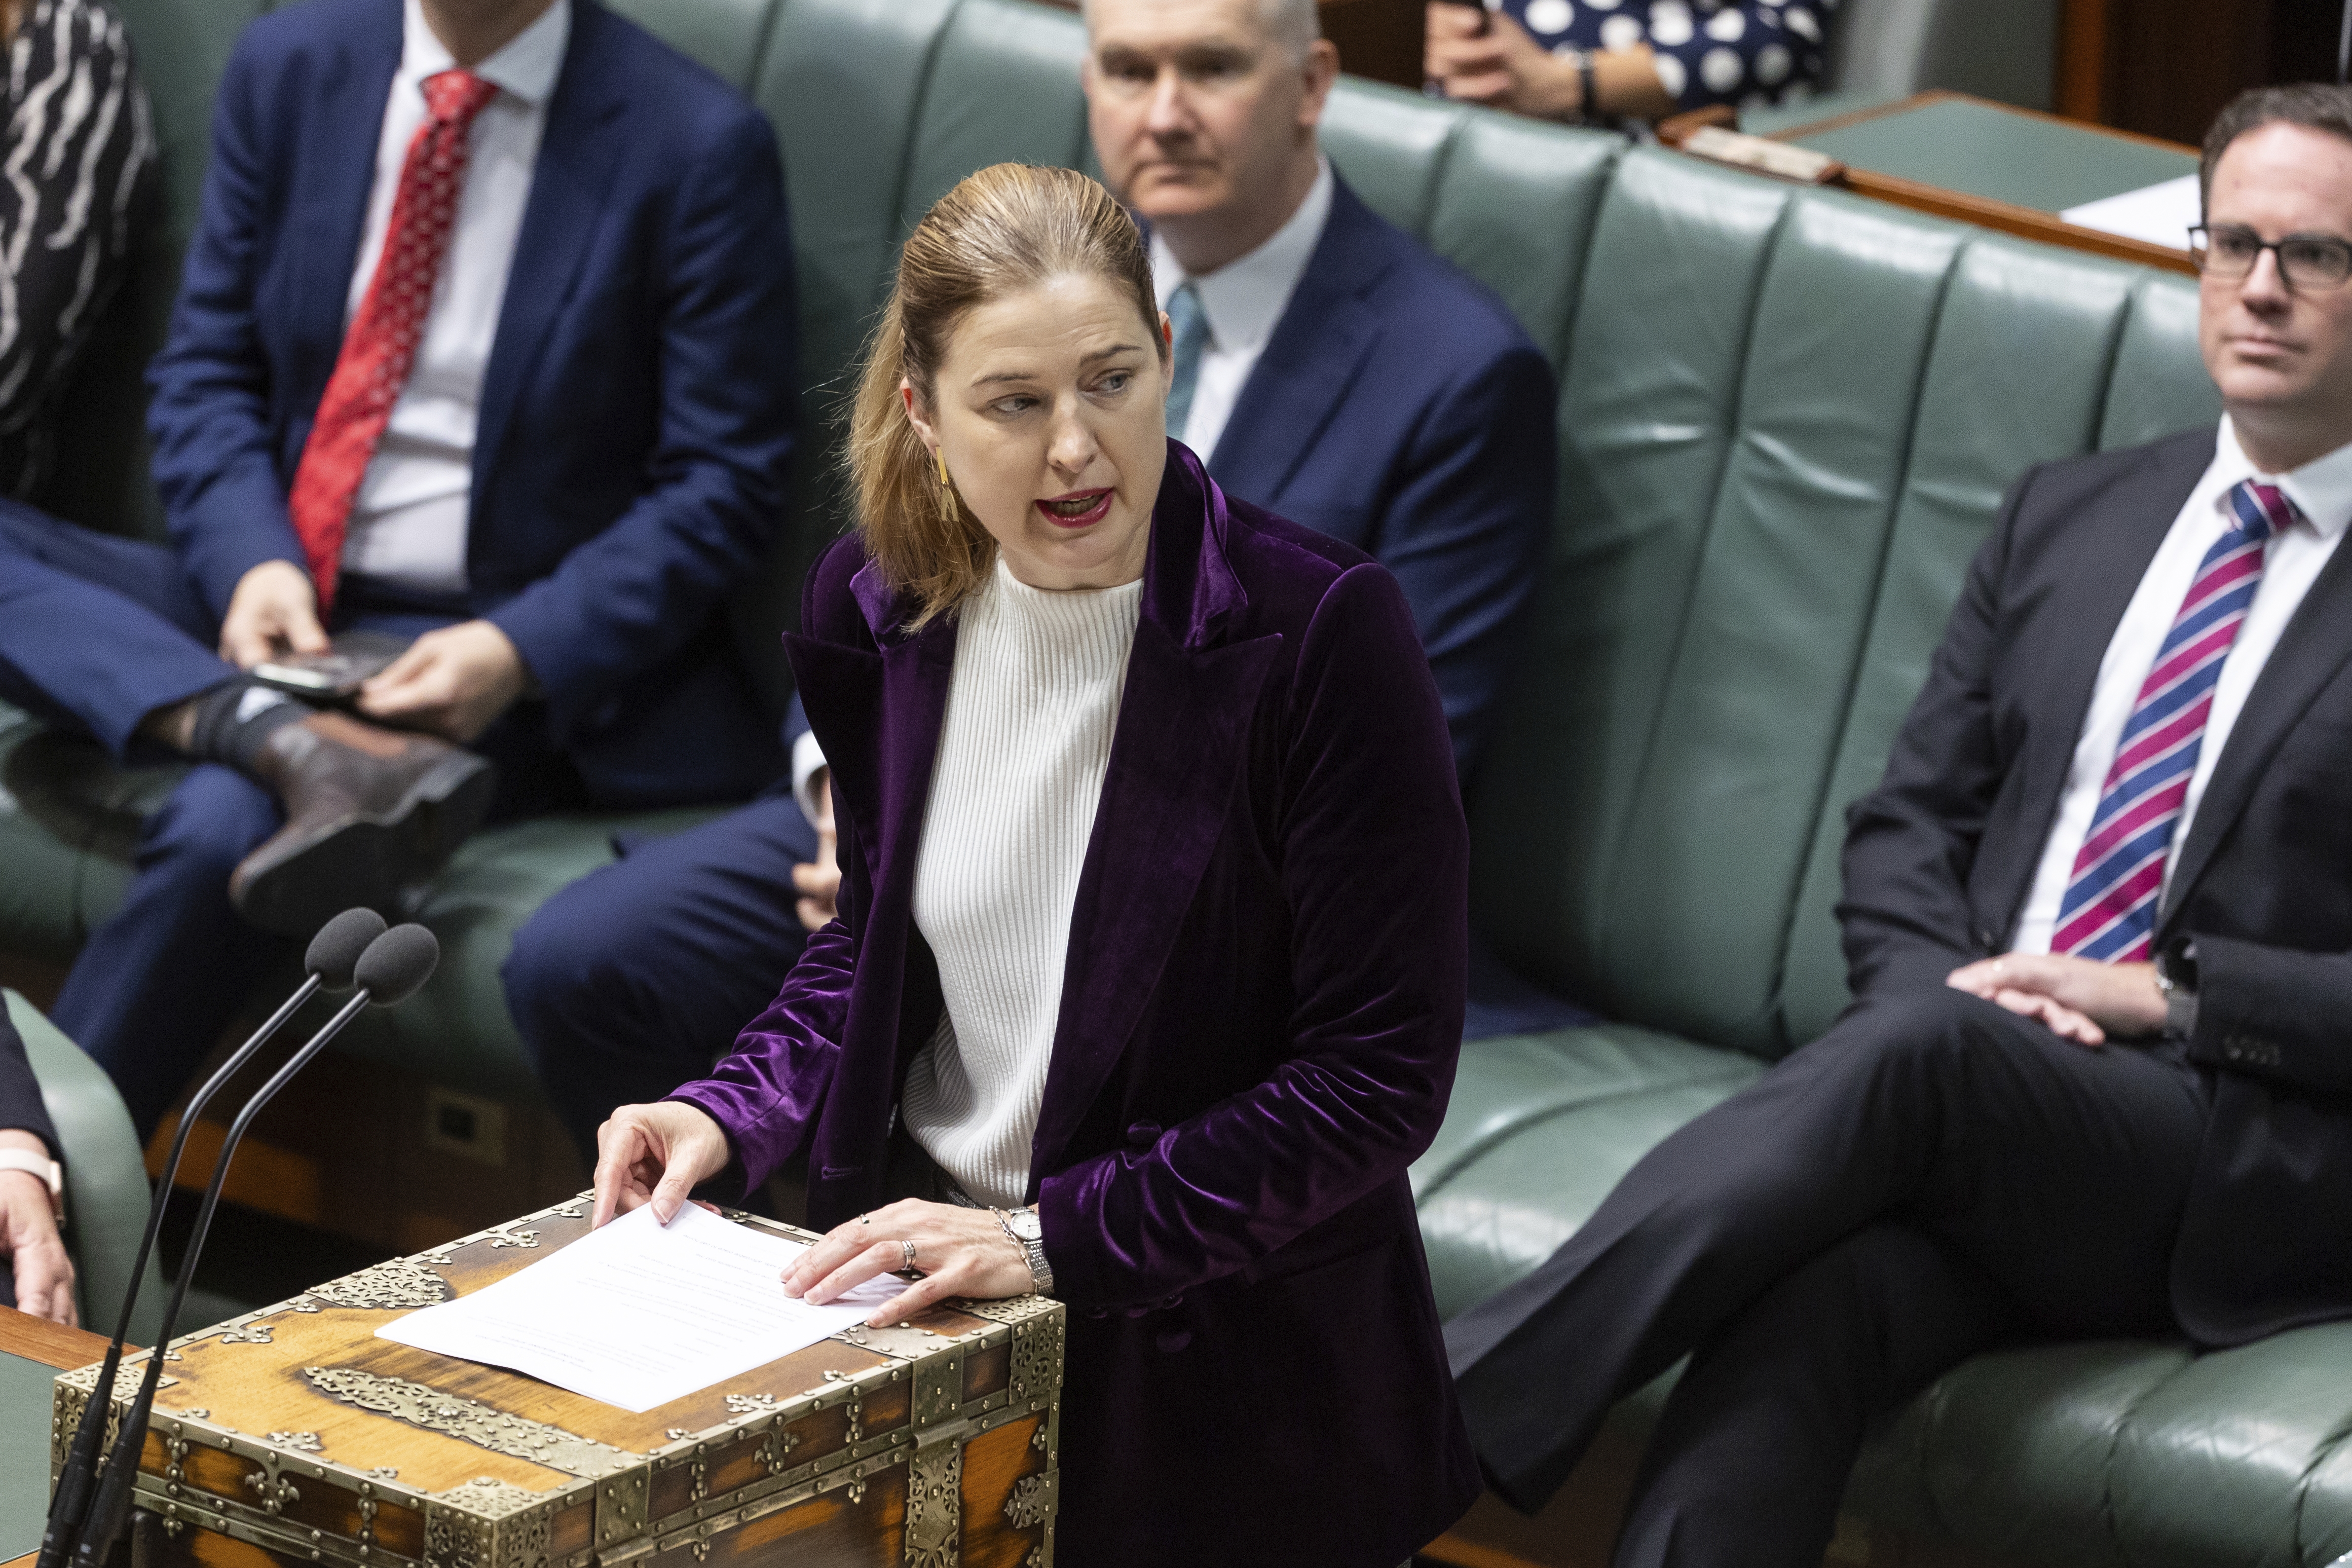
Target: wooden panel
[2165,67]
[708,1471]
[994,1466]
[51,1344]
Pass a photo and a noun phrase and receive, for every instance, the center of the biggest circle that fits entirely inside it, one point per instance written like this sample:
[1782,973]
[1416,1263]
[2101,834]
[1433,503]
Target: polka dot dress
[1749,53]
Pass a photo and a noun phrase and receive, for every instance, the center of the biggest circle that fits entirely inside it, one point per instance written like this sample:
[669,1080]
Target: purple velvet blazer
[1260,1016]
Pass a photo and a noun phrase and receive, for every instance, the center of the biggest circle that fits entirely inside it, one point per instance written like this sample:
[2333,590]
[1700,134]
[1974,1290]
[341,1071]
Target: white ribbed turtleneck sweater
[1030,708]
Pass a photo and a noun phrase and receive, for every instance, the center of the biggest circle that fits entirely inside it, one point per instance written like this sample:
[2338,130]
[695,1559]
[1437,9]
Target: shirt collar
[2321,488]
[526,66]
[1243,300]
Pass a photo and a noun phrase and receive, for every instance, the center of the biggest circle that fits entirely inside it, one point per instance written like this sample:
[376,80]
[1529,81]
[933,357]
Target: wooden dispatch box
[294,1436]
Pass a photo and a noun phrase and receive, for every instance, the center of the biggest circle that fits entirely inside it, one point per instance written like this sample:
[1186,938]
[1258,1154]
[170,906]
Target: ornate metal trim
[1011,1310]
[402,1283]
[1033,1499]
[466,1527]
[904,1342]
[1036,1360]
[420,1405]
[935,1507]
[305,1442]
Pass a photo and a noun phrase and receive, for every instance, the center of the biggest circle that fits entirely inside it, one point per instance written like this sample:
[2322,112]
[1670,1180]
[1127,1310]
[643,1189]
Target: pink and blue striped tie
[2109,910]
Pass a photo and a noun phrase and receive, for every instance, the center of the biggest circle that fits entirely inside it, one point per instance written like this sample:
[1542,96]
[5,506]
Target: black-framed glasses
[2312,261]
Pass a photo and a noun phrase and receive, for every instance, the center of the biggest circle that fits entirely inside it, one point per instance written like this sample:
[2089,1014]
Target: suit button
[1144,1134]
[1170,1341]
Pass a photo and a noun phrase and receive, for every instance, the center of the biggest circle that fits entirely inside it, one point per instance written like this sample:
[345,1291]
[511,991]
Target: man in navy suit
[2098,926]
[484,341]
[1329,367]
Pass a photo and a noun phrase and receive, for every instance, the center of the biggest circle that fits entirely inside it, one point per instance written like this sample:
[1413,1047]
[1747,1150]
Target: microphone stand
[110,1507]
[72,1497]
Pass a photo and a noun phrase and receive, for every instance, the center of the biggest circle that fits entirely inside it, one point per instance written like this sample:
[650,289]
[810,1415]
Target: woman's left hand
[963,1252]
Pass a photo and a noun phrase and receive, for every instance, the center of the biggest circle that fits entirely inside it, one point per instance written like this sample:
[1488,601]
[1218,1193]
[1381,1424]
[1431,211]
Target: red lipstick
[1090,508]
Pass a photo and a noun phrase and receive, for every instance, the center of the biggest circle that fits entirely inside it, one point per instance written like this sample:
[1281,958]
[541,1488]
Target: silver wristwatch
[1029,1234]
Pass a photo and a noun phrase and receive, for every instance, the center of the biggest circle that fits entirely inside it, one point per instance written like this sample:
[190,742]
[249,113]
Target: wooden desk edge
[1946,95]
[51,1344]
[2005,217]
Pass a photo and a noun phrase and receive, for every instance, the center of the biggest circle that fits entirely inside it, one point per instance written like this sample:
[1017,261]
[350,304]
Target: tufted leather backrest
[1786,425]
[1786,417]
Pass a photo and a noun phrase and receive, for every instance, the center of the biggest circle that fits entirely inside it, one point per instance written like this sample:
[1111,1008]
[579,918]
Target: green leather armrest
[106,1178]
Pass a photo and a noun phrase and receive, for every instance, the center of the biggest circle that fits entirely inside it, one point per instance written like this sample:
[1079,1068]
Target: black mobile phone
[336,675]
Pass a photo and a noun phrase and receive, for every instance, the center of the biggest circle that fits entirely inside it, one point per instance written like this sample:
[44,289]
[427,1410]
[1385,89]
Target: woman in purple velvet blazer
[1258,929]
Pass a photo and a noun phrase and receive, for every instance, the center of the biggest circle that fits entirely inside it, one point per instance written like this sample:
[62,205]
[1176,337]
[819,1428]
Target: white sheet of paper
[2160,214]
[638,1314]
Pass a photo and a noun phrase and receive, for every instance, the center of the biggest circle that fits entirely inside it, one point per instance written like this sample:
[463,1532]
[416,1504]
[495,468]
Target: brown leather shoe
[368,812]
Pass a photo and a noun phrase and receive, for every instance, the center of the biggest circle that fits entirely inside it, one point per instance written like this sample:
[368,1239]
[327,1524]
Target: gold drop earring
[947,488]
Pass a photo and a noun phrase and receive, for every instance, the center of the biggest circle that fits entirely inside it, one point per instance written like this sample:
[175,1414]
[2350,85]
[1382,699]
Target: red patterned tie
[382,343]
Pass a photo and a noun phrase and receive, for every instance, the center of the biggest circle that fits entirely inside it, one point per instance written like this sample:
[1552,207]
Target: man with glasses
[2097,1076]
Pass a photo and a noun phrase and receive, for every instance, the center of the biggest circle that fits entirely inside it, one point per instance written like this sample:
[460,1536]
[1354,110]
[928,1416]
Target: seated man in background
[484,341]
[1593,63]
[2093,1080]
[36,1275]
[1327,366]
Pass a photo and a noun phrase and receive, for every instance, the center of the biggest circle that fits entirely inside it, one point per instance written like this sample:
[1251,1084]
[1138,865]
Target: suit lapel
[577,152]
[352,95]
[2311,653]
[1318,349]
[878,716]
[1175,757]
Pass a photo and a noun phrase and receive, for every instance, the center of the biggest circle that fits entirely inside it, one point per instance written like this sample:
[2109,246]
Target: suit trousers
[1930,1176]
[98,632]
[635,979]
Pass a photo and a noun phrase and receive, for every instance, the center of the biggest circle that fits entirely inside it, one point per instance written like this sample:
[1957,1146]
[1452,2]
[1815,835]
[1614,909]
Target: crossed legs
[1930,1174]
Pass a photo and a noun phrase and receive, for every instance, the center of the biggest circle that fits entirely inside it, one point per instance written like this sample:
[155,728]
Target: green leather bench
[106,1180]
[1787,417]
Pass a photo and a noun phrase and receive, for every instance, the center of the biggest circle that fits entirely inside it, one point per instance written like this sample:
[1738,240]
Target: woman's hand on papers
[657,1154]
[965,1252]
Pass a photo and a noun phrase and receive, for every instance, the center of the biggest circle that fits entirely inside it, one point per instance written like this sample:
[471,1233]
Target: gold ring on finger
[906,1250]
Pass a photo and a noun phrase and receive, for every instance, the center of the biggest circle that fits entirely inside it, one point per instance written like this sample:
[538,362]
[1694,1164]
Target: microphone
[393,966]
[333,956]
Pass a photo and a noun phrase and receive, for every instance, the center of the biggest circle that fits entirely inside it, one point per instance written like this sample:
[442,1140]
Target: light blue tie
[1191,327]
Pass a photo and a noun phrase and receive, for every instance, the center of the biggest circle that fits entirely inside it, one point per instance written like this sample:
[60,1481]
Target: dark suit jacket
[1400,407]
[21,1110]
[636,417]
[1257,1034]
[1939,861]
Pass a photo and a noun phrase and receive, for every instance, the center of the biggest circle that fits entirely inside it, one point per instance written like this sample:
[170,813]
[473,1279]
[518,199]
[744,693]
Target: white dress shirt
[2322,491]
[1242,302]
[409,520]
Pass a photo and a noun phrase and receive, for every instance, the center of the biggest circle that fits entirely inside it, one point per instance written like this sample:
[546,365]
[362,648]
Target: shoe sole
[367,860]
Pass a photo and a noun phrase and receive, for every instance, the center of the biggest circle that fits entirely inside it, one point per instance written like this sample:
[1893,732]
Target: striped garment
[2110,907]
[81,155]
